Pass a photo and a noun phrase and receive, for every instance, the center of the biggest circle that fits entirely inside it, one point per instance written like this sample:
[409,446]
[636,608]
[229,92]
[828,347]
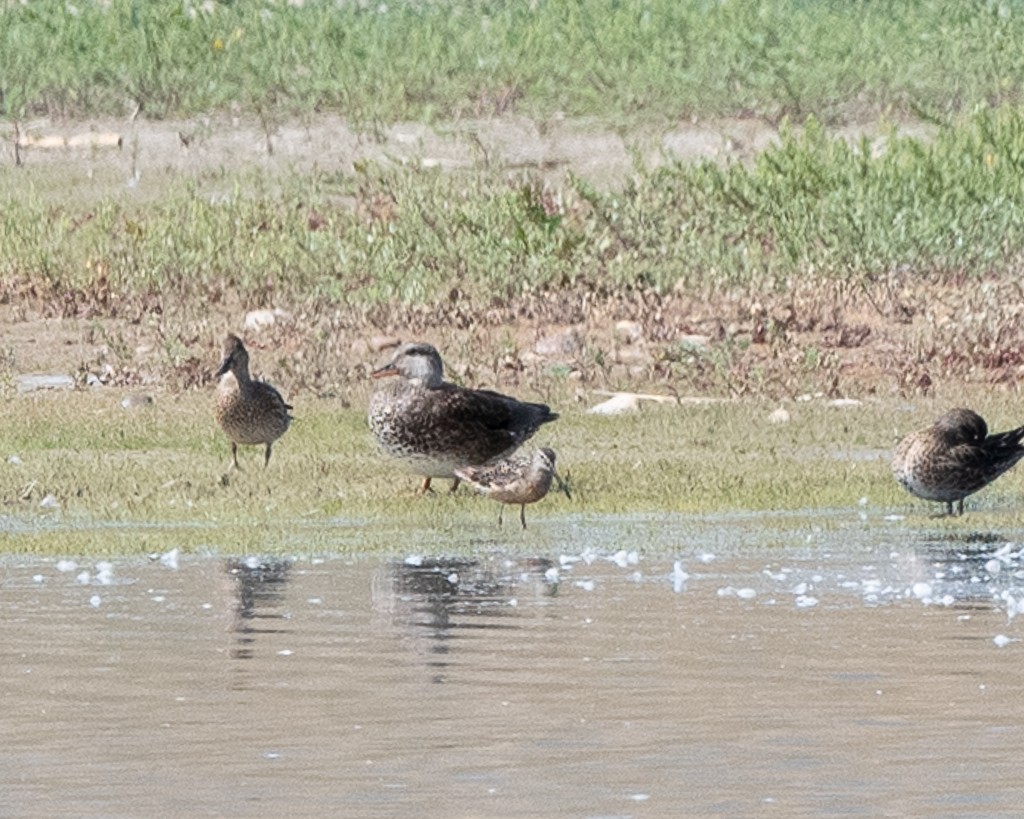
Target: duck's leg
[266,456]
[455,485]
[960,507]
[522,514]
[425,486]
[501,511]
[234,456]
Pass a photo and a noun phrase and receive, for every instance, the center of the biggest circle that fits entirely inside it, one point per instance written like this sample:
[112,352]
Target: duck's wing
[976,465]
[271,398]
[499,422]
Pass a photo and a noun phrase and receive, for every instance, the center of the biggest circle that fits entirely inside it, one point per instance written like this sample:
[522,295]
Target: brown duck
[435,427]
[249,412]
[954,458]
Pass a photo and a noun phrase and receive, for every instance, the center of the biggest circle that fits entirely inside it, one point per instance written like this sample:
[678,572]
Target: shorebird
[434,427]
[521,479]
[249,412]
[954,458]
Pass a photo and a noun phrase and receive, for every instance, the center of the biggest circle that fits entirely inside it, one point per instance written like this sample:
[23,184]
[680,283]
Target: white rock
[257,320]
[49,502]
[779,416]
[66,565]
[1002,641]
[618,404]
[15,460]
[170,559]
[95,601]
[628,332]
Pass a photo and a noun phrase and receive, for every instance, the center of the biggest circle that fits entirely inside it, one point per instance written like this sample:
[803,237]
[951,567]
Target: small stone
[560,344]
[380,343]
[49,502]
[136,400]
[617,405]
[628,332]
[257,320]
[779,416]
[31,382]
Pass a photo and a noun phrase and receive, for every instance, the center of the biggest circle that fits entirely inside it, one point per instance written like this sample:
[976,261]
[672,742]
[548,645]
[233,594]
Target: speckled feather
[954,457]
[434,426]
[250,412]
[521,479]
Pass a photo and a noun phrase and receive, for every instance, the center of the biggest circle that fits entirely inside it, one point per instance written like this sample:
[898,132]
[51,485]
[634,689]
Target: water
[591,667]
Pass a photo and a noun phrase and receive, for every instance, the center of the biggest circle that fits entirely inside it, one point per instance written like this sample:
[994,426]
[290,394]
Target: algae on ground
[81,474]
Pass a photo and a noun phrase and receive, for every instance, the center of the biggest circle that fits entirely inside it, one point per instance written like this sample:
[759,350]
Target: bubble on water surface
[921,590]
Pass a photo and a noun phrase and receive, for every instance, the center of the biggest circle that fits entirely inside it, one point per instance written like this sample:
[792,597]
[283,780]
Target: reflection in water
[978,570]
[446,595]
[259,589]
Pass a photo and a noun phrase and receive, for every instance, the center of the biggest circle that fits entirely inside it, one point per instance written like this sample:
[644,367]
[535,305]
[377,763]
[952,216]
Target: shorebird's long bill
[562,485]
[384,372]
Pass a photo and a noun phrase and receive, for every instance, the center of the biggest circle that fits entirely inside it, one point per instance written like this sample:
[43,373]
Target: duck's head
[416,362]
[235,357]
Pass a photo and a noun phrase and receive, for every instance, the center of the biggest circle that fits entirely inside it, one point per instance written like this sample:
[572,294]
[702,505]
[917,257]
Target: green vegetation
[151,479]
[811,207]
[385,61]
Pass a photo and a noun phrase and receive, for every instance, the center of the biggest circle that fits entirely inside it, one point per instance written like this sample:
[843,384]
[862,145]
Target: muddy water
[604,667]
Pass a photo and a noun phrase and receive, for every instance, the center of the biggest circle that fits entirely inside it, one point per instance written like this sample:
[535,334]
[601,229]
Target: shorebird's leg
[501,511]
[425,486]
[455,485]
[522,514]
[960,507]
[234,456]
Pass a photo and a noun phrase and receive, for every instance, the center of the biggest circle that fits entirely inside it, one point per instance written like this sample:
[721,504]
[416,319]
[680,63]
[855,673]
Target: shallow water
[593,667]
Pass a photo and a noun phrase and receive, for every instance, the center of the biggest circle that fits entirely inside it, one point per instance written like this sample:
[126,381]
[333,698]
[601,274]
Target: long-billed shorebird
[249,412]
[954,458]
[434,427]
[521,479]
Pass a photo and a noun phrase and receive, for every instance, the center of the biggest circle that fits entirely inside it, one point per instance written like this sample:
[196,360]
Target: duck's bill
[384,372]
[225,365]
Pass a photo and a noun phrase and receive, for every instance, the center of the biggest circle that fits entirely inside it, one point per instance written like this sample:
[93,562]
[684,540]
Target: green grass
[151,479]
[382,62]
[811,207]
